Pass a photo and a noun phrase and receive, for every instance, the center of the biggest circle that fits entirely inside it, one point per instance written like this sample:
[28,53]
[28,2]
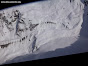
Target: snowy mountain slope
[39,27]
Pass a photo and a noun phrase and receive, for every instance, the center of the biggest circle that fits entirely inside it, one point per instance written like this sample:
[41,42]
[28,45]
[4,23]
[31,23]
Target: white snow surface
[58,25]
